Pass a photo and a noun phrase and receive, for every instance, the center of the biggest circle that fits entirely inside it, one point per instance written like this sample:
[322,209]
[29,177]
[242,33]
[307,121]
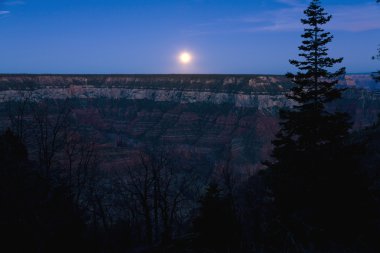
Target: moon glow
[185,58]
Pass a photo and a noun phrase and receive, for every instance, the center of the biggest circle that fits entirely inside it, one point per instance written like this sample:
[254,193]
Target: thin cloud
[356,18]
[351,18]
[4,4]
[286,19]
[291,2]
[12,3]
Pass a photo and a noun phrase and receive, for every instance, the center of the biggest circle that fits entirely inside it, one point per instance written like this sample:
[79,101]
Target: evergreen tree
[34,216]
[376,75]
[317,189]
[216,226]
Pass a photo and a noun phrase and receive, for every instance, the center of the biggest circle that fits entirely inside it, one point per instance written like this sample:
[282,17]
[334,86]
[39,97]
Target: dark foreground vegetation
[159,209]
[320,192]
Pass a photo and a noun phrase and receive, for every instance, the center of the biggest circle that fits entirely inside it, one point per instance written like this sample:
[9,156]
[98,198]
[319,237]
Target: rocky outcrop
[192,82]
[257,100]
[263,92]
[361,81]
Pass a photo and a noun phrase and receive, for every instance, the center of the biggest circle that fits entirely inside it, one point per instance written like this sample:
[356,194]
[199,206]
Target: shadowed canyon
[209,120]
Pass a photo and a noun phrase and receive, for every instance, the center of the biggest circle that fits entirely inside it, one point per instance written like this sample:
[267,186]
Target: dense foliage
[319,190]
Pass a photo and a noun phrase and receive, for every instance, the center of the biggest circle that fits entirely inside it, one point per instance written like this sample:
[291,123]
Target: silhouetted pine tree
[317,188]
[376,75]
[34,216]
[216,226]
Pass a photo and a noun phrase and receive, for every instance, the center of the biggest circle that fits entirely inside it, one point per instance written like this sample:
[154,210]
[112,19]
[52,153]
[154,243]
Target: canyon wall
[209,120]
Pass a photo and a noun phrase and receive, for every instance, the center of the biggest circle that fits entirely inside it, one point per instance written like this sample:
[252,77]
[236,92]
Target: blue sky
[146,36]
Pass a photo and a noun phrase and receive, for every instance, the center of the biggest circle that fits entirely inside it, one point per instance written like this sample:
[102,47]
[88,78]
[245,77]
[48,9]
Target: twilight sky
[146,36]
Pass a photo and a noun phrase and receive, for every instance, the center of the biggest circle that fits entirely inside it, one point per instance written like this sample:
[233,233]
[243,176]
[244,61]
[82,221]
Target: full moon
[185,58]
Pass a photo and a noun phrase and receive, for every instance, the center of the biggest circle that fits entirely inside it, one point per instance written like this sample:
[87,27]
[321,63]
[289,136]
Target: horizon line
[159,74]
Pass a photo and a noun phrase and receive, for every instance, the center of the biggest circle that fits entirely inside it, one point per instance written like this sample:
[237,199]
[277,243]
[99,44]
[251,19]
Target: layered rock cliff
[255,91]
[207,118]
[242,91]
